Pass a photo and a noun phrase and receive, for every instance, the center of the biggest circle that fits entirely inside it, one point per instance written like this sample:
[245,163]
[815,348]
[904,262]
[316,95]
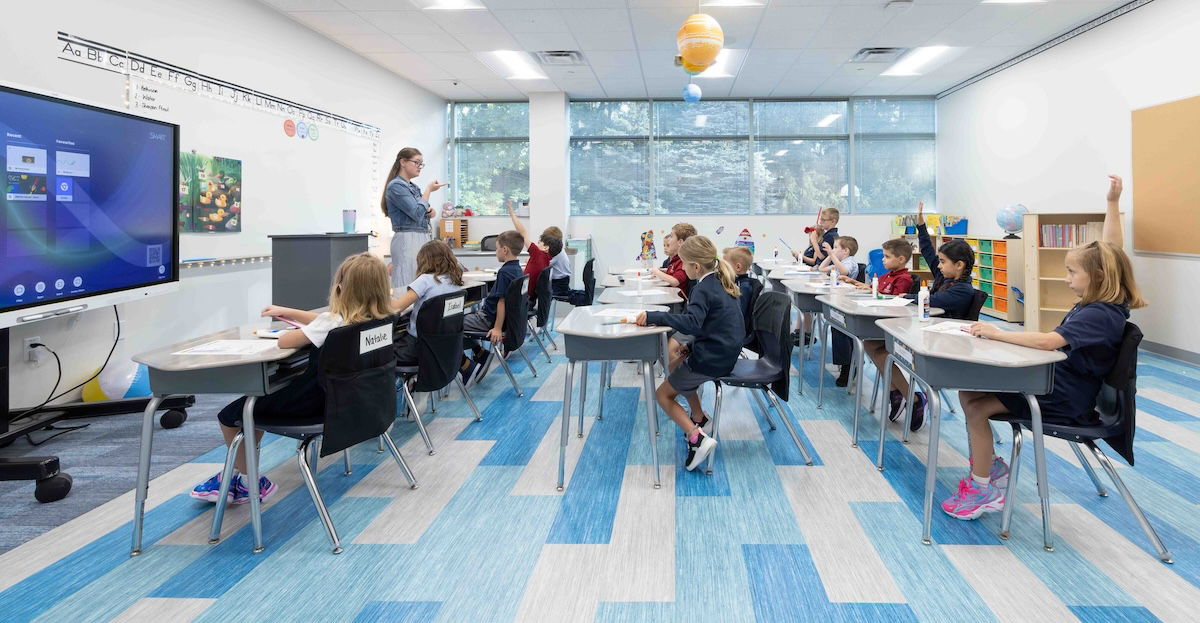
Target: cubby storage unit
[993,257]
[1048,298]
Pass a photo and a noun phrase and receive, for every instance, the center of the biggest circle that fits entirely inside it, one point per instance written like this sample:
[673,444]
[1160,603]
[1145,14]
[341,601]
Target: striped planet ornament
[700,40]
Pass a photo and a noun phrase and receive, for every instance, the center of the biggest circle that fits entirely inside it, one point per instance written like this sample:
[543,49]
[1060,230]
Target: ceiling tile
[605,40]
[460,65]
[783,39]
[335,22]
[378,5]
[531,21]
[590,4]
[373,43]
[983,22]
[501,5]
[597,20]
[411,66]
[431,43]
[857,17]
[788,18]
[737,23]
[655,28]
[841,86]
[451,90]
[623,59]
[305,5]
[485,42]
[466,22]
[400,22]
[537,41]
[659,64]
[617,88]
[496,89]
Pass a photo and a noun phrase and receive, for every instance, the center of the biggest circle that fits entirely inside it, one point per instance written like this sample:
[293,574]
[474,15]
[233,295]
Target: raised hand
[920,212]
[1115,186]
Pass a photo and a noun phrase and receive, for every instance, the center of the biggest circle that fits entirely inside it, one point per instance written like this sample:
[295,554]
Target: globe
[1011,218]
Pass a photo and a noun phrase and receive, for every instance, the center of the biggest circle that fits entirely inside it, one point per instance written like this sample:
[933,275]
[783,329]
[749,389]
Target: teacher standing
[408,208]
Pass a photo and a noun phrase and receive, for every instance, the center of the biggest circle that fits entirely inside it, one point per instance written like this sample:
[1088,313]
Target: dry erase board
[1166,178]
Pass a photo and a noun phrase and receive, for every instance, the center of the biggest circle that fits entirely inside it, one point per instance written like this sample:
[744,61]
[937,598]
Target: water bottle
[923,303]
[875,287]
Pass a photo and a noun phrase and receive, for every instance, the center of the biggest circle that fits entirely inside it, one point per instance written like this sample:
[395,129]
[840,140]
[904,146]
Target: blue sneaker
[210,490]
[973,500]
[240,492]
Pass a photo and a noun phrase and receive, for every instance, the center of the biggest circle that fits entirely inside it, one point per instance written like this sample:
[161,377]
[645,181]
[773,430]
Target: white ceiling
[788,48]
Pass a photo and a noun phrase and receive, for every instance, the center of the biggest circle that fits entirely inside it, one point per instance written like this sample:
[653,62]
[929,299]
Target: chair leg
[387,439]
[420,425]
[1010,493]
[432,402]
[1101,458]
[466,396]
[651,417]
[787,423]
[1087,467]
[214,535]
[826,333]
[583,395]
[504,364]
[322,511]
[533,370]
[538,338]
[380,451]
[766,411]
[712,456]
[346,461]
[948,402]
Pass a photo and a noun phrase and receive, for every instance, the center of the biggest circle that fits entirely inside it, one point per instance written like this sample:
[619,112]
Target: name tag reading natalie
[374,339]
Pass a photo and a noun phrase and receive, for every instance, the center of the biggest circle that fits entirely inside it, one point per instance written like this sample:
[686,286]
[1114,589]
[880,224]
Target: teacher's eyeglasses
[420,165]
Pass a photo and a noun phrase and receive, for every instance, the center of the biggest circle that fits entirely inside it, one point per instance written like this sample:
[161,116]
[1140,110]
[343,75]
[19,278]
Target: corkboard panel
[1166,176]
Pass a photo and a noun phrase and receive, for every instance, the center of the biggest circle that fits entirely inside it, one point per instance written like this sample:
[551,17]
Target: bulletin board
[1166,178]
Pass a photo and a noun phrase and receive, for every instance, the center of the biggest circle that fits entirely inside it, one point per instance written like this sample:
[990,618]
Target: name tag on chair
[374,339]
[453,307]
[837,317]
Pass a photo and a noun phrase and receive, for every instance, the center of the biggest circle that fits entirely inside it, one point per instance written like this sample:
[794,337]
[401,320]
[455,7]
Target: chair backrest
[542,291]
[861,275]
[487,243]
[981,297]
[356,368]
[756,288]
[1117,403]
[875,263]
[772,330]
[589,279]
[915,287]
[439,340]
[516,313]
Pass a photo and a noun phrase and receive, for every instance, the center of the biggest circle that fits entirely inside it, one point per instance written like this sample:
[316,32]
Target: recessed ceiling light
[449,5]
[512,65]
[720,67]
[912,63]
[828,120]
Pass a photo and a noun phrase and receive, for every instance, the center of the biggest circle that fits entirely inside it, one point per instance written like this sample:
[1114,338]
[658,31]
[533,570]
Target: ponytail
[700,250]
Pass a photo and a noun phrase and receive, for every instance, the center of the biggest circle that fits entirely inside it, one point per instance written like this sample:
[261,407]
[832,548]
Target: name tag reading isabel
[374,339]
[453,307]
[902,352]
[837,317]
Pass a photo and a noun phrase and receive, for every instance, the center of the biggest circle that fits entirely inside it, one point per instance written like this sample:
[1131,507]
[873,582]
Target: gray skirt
[405,245]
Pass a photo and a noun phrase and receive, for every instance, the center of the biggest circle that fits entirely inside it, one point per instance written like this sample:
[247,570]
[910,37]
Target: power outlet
[33,355]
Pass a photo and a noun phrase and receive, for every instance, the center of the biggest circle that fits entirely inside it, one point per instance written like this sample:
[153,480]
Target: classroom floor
[487,538]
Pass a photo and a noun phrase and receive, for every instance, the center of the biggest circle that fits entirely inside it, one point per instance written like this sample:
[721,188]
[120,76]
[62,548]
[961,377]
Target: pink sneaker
[998,474]
[972,500]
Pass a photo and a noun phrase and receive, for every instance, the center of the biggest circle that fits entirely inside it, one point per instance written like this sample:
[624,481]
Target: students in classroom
[840,257]
[1100,274]
[674,274]
[740,259]
[825,232]
[438,273]
[540,252]
[361,291]
[490,315]
[896,282]
[713,317]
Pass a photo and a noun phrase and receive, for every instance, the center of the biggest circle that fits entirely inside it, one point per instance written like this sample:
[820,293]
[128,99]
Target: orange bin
[1000,247]
[1000,290]
[1000,276]
[1000,305]
[1000,261]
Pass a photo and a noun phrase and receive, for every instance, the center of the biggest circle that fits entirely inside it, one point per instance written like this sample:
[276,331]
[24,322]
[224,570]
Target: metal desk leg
[907,407]
[604,381]
[214,534]
[651,414]
[931,465]
[665,360]
[1039,451]
[858,386]
[566,425]
[883,412]
[1010,492]
[583,396]
[827,333]
[251,449]
[143,474]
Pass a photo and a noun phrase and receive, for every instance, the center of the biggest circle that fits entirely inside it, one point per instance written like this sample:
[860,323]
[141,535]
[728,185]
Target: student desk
[625,281]
[963,362]
[630,270]
[804,298]
[587,337]
[767,265]
[843,313]
[249,375]
[777,275]
[620,296]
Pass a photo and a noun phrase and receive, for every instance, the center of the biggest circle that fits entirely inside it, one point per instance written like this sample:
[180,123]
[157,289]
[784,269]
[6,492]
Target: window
[490,155]
[752,157]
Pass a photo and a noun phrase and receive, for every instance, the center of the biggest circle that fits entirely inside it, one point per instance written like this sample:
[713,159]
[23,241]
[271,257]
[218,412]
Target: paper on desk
[949,328]
[889,302]
[644,292]
[229,347]
[627,315]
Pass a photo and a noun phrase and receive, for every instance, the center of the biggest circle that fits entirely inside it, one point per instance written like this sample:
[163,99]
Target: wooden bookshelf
[997,271]
[1048,298]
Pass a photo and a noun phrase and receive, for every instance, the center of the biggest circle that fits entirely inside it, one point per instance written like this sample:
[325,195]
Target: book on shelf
[1068,235]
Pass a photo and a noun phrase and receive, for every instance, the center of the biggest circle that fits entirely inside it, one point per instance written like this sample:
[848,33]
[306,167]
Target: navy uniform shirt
[508,273]
[713,317]
[1093,333]
[953,296]
[829,237]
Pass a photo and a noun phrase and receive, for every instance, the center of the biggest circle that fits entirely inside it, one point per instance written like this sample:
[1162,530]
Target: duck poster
[210,193]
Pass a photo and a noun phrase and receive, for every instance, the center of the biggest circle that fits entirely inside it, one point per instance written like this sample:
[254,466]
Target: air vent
[878,55]
[560,58]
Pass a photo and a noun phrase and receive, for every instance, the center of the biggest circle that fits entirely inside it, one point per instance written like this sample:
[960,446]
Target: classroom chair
[589,290]
[1117,409]
[516,319]
[487,243]
[538,315]
[360,404]
[875,263]
[770,374]
[439,354]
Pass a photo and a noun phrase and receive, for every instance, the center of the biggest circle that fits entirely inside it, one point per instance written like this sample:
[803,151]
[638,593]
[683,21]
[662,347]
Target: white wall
[1045,132]
[240,41]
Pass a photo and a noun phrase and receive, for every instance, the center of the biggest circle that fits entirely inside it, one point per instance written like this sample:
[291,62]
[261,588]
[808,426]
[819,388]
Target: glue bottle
[923,303]
[875,287]
[833,276]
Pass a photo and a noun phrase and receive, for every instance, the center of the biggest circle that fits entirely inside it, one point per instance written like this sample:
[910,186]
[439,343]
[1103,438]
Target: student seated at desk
[489,317]
[896,282]
[839,258]
[438,273]
[540,252]
[361,291]
[823,233]
[673,274]
[1100,274]
[951,267]
[740,259]
[712,316]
